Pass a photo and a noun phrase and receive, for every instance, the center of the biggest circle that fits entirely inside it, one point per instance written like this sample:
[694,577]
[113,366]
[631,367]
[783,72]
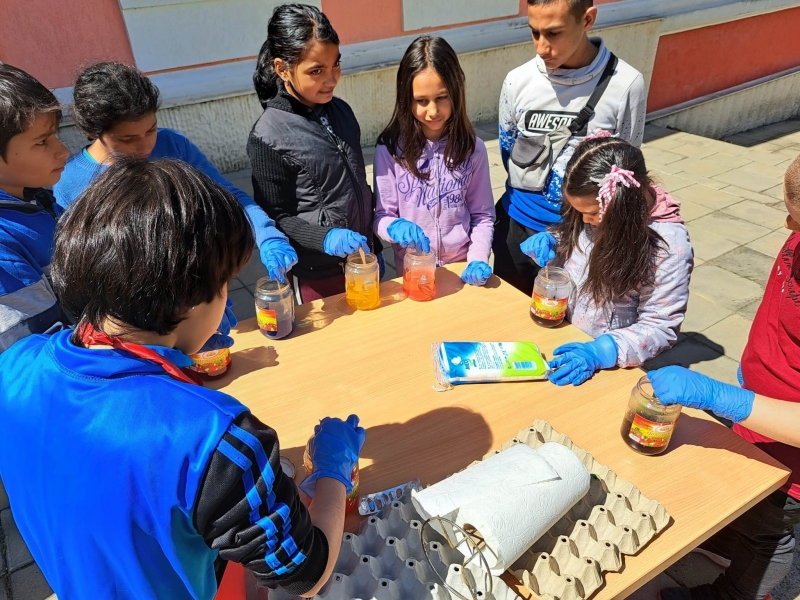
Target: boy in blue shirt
[31,158]
[127,478]
[115,106]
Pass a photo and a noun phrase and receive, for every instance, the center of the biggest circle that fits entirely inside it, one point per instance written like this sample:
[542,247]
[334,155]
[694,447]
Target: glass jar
[274,308]
[211,363]
[648,424]
[351,502]
[551,290]
[362,281]
[419,275]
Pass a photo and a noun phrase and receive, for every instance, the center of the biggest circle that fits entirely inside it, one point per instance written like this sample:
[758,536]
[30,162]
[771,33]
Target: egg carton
[386,561]
[612,520]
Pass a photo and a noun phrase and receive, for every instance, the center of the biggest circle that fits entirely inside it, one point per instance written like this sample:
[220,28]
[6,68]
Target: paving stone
[749,194]
[749,311]
[235,285]
[731,333]
[702,313]
[243,303]
[707,245]
[712,198]
[723,287]
[697,356]
[30,584]
[791,151]
[702,179]
[746,262]
[242,180]
[670,182]
[755,212]
[692,210]
[764,156]
[253,270]
[498,178]
[657,156]
[693,570]
[3,497]
[775,192]
[667,143]
[749,177]
[16,551]
[731,228]
[498,192]
[710,166]
[695,150]
[770,244]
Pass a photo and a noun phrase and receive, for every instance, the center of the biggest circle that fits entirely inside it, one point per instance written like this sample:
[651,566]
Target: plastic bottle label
[267,319]
[549,309]
[649,433]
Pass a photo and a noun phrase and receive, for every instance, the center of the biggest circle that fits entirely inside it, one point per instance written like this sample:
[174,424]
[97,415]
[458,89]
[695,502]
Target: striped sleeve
[27,302]
[251,512]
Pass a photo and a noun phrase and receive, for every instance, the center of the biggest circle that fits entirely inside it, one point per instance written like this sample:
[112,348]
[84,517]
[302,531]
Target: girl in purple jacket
[431,172]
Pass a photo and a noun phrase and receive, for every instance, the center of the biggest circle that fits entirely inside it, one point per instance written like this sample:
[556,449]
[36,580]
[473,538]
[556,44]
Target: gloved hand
[278,256]
[677,385]
[381,265]
[476,273]
[334,451]
[342,242]
[409,235]
[221,339]
[576,362]
[540,247]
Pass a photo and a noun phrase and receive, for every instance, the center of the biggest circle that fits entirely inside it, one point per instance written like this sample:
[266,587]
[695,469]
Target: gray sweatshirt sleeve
[662,306]
[632,113]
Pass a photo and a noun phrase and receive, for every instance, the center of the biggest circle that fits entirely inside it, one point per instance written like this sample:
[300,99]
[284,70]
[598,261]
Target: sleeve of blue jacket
[263,227]
[27,302]
[249,510]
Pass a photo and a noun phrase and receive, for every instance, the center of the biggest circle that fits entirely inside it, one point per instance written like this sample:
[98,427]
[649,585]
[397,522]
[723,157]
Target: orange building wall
[694,63]
[365,20]
[52,39]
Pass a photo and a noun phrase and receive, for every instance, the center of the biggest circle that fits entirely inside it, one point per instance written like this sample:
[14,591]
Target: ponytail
[290,31]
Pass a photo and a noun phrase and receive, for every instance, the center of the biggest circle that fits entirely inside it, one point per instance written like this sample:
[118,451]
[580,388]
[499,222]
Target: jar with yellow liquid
[362,281]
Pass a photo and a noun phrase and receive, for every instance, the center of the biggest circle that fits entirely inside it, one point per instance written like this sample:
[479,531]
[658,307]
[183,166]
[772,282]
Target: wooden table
[377,364]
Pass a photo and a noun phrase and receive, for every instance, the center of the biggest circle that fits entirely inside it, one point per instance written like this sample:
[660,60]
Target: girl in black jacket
[305,150]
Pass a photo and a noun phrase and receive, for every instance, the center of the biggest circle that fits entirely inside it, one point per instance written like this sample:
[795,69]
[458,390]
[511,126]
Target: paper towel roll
[511,498]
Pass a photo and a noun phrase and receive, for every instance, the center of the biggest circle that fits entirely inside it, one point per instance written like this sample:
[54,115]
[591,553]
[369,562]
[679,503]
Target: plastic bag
[455,363]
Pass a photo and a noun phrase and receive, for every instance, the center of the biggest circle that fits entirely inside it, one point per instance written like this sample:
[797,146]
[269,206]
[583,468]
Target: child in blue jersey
[127,478]
[115,106]
[31,158]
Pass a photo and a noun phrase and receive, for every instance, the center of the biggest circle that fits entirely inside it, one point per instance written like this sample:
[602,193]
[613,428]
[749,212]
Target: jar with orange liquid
[362,281]
[351,501]
[419,275]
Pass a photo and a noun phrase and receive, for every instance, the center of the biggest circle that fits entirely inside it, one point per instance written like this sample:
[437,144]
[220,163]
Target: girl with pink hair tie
[625,246]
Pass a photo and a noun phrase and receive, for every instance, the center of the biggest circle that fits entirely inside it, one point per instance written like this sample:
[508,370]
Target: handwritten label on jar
[267,319]
[649,433]
[549,309]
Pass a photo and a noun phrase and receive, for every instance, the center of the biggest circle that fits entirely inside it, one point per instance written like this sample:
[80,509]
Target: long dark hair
[290,30]
[625,248]
[403,136]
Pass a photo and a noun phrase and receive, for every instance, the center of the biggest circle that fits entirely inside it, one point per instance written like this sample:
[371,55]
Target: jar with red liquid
[351,502]
[419,275]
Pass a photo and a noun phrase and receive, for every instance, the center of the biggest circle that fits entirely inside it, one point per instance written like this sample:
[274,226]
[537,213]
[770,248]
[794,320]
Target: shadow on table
[447,283]
[432,446]
[244,362]
[690,350]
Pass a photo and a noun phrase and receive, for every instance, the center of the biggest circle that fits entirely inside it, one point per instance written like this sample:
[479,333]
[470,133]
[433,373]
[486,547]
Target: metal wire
[470,539]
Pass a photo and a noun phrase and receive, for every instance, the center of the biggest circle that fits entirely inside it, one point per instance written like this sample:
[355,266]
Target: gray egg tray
[386,561]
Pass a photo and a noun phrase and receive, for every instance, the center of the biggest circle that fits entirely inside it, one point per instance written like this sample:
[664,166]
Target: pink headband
[608,186]
[598,134]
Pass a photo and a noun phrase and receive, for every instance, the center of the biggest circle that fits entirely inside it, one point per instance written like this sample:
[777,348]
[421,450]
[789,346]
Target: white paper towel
[511,498]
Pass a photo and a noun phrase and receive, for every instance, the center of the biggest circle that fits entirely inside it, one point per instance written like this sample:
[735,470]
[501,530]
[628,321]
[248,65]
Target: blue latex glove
[334,451]
[409,235]
[343,242]
[381,265]
[540,247]
[576,362]
[278,256]
[476,273]
[677,385]
[221,339]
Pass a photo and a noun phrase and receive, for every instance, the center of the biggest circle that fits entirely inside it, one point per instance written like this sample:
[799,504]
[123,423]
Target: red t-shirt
[771,360]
